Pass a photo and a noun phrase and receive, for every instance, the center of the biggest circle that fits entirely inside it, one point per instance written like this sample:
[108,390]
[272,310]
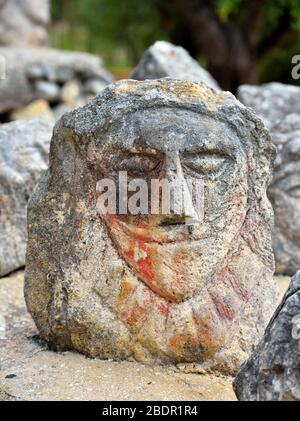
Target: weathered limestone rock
[23,159]
[154,287]
[279,106]
[164,59]
[286,129]
[272,373]
[42,74]
[272,101]
[284,194]
[23,22]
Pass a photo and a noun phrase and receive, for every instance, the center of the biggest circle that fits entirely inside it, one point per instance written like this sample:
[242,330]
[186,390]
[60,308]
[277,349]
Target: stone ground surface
[28,371]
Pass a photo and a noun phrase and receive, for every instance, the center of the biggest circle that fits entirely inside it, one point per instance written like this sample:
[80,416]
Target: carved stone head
[193,285]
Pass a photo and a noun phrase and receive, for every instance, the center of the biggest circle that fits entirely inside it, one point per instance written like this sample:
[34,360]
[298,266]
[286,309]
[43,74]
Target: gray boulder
[40,73]
[23,22]
[24,147]
[272,373]
[279,106]
[272,101]
[286,129]
[164,59]
[284,193]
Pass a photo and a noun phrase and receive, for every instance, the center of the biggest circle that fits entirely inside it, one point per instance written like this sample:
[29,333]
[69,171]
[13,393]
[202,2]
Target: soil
[29,371]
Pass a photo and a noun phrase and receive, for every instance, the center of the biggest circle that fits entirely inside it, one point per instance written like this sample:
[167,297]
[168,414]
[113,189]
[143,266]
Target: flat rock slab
[28,371]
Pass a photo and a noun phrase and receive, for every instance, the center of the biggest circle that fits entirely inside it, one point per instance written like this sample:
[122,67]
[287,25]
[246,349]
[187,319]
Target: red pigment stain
[182,343]
[224,311]
[177,341]
[206,335]
[225,274]
[162,308]
[136,316]
[238,287]
[126,289]
[144,265]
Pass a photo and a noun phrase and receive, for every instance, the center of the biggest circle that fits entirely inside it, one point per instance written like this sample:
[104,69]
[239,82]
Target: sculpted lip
[161,233]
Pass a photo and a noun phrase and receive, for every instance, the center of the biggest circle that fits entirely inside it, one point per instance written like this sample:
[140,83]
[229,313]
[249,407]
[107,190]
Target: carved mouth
[167,231]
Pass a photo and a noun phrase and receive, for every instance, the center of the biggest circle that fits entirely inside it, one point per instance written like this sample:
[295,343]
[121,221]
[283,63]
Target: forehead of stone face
[166,129]
[164,113]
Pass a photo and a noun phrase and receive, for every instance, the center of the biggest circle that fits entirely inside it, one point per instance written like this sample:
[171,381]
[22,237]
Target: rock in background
[272,373]
[286,129]
[279,106]
[64,80]
[272,101]
[23,22]
[284,193]
[24,147]
[164,59]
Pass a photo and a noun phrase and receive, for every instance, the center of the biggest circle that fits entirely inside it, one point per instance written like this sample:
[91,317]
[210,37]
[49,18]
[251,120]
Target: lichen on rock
[154,288]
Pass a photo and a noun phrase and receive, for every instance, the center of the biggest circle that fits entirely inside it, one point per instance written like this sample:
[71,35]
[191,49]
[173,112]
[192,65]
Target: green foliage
[226,8]
[119,30]
[274,10]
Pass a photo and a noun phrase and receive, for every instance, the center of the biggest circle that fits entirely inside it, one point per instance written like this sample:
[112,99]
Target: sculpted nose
[181,208]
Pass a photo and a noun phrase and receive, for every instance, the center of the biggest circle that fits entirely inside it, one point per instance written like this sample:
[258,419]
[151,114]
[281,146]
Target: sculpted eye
[294,192]
[138,164]
[205,163]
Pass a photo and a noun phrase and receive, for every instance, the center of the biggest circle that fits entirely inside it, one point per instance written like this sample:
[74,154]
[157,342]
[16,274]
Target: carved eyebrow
[207,151]
[211,145]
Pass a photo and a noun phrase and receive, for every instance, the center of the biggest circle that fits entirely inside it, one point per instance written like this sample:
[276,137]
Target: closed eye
[138,165]
[206,164]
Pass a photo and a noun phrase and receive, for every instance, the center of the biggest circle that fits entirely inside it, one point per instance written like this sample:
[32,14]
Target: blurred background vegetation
[238,41]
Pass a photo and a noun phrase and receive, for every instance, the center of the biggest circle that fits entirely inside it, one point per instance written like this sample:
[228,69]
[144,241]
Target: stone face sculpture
[272,373]
[23,22]
[154,287]
[284,194]
[164,59]
[24,147]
